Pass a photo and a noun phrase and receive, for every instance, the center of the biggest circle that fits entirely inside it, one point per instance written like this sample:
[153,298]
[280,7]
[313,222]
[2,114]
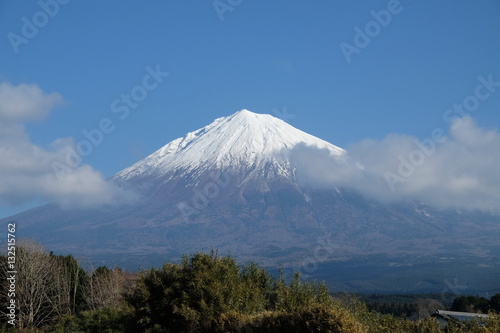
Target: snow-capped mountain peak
[244,139]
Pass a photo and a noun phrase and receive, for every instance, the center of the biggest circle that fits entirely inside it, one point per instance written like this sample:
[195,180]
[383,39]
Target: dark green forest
[205,292]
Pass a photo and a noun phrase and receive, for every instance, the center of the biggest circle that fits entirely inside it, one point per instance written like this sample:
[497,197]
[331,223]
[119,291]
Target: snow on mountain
[231,186]
[244,139]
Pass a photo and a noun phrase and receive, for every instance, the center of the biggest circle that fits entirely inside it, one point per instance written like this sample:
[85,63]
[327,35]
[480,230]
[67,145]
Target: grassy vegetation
[207,293]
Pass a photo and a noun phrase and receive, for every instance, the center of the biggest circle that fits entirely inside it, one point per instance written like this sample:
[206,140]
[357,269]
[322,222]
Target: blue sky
[223,56]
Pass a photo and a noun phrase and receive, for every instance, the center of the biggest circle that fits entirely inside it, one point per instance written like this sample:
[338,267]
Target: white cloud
[25,102]
[27,172]
[462,171]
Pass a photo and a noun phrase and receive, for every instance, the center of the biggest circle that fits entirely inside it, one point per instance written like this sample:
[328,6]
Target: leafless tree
[105,288]
[61,292]
[34,284]
[45,285]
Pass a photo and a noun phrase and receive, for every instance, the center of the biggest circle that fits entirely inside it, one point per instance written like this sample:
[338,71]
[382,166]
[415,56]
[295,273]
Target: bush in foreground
[199,293]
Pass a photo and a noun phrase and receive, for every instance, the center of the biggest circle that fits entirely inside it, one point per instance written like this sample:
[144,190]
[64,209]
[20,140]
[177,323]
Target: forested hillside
[206,292]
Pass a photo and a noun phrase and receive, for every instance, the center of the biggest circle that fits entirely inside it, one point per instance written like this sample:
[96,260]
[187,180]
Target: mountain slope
[231,186]
[242,140]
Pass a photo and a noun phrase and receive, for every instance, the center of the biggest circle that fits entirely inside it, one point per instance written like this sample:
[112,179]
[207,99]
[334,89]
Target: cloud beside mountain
[27,169]
[460,170]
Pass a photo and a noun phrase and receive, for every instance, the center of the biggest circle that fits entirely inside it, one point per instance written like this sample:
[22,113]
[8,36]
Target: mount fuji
[244,140]
[233,186]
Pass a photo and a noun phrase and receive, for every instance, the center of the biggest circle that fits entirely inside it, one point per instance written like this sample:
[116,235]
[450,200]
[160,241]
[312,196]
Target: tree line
[419,306]
[205,292]
[49,287]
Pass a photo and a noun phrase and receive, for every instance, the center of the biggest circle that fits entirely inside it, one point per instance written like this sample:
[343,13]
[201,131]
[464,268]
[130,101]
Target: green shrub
[206,292]
[103,320]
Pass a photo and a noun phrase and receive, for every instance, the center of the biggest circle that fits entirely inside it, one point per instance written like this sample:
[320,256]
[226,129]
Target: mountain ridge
[244,139]
[256,209]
